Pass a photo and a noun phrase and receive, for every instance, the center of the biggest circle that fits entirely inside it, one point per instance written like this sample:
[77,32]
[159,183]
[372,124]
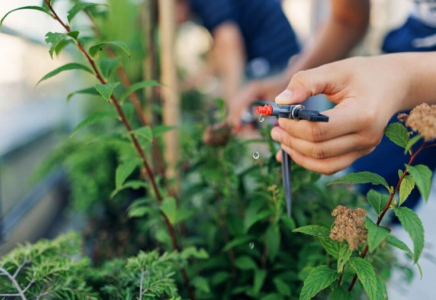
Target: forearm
[229,58]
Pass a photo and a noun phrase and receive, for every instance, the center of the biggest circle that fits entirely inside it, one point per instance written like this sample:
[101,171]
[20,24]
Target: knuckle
[301,78]
[316,134]
[319,152]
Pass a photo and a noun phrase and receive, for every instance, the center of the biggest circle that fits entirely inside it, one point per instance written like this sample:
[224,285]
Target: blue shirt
[266,30]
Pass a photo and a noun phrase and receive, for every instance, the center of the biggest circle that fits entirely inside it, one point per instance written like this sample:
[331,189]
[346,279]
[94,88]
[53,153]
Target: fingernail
[275,135]
[284,96]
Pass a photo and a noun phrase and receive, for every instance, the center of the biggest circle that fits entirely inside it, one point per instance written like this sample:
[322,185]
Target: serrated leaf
[124,170]
[194,252]
[169,208]
[66,67]
[54,38]
[238,241]
[245,263]
[259,279]
[422,176]
[145,132]
[343,257]
[61,45]
[340,294]
[31,7]
[319,278]
[406,188]
[362,178]
[93,119]
[272,240]
[161,129]
[106,90]
[89,91]
[331,247]
[376,234]
[315,230]
[78,8]
[138,86]
[366,275]
[108,65]
[282,287]
[398,134]
[377,200]
[394,241]
[382,292]
[413,225]
[94,50]
[201,284]
[412,142]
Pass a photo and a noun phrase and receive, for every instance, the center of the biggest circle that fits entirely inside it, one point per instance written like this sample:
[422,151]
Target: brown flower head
[423,120]
[349,226]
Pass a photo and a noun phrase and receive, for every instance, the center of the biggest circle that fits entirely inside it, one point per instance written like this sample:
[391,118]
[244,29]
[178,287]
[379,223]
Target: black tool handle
[311,115]
[287,182]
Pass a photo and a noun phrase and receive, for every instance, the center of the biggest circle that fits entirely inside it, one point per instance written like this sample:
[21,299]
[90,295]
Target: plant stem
[14,282]
[137,146]
[382,214]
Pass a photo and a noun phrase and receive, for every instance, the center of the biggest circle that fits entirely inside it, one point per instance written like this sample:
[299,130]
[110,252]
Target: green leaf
[73,34]
[413,225]
[377,200]
[94,50]
[343,257]
[108,65]
[106,90]
[272,239]
[39,8]
[366,275]
[248,222]
[67,67]
[124,170]
[361,178]
[169,208]
[288,222]
[406,188]
[201,284]
[92,119]
[194,252]
[61,45]
[259,279]
[138,86]
[161,129]
[183,214]
[382,292]
[145,132]
[394,241]
[273,296]
[332,247]
[376,234]
[340,294]
[319,278]
[246,263]
[398,134]
[315,230]
[412,142]
[89,91]
[77,8]
[220,277]
[282,287]
[422,175]
[54,38]
[238,241]
[138,212]
[131,184]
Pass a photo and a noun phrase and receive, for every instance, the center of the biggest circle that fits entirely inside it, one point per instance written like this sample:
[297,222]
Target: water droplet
[251,245]
[256,155]
[261,118]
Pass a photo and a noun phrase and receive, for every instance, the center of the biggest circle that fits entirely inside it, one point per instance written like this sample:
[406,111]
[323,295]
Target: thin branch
[20,267]
[141,284]
[14,282]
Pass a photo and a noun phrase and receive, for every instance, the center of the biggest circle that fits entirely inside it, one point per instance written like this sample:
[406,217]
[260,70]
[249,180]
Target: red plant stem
[382,214]
[136,145]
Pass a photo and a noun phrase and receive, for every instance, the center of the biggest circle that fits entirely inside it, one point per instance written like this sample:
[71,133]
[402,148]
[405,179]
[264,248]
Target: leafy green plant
[351,258]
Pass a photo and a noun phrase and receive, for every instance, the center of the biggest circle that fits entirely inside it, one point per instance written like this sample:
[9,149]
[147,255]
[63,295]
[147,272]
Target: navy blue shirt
[266,30]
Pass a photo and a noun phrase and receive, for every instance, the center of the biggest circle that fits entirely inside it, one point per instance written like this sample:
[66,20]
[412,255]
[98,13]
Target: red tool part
[265,110]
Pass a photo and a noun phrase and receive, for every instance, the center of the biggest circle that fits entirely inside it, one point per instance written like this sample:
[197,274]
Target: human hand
[255,90]
[367,91]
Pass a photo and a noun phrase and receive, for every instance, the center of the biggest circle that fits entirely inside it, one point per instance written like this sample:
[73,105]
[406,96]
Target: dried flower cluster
[349,225]
[423,120]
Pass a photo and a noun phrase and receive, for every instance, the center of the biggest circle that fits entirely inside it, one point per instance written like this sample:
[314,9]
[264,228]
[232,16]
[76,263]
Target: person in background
[366,94]
[252,39]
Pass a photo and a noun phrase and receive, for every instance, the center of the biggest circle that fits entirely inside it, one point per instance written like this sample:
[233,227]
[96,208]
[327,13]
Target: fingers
[326,166]
[304,84]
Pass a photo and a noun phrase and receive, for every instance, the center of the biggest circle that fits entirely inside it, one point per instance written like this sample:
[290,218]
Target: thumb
[305,84]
